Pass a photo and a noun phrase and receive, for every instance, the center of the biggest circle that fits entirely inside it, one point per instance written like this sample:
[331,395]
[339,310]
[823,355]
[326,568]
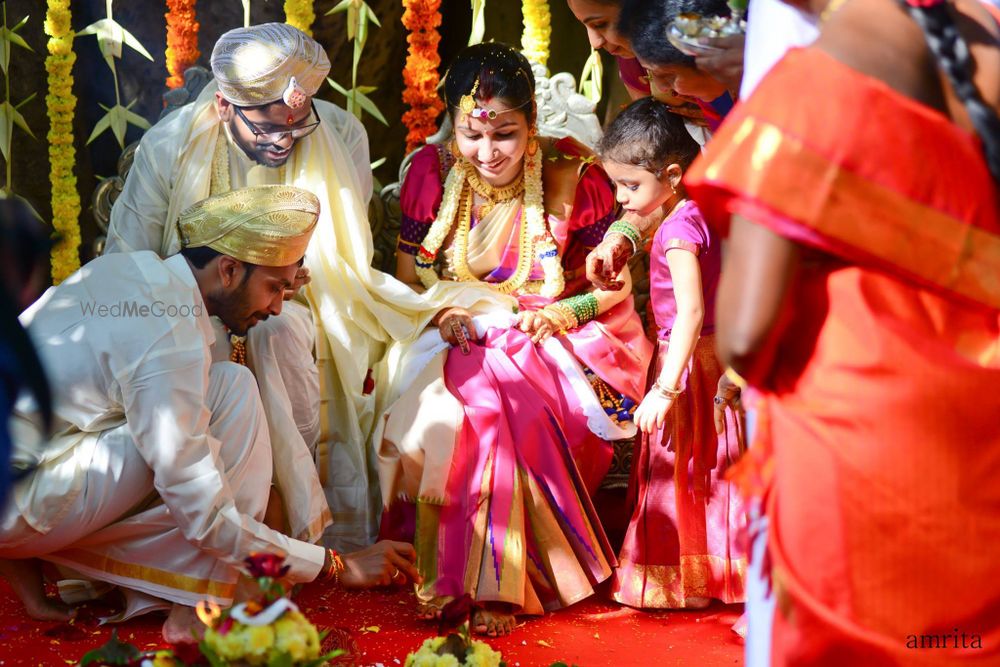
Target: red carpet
[379,627]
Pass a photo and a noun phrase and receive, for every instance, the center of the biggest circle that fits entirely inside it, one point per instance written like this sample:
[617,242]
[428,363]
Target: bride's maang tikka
[468,106]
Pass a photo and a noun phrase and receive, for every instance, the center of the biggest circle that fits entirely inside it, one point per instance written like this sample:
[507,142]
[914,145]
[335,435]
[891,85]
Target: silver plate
[689,46]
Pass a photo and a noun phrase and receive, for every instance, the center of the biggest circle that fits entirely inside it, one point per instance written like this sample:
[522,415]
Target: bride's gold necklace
[492,194]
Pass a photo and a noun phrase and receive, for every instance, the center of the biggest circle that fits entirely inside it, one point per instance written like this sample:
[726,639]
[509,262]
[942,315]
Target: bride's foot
[25,578]
[494,619]
[697,603]
[183,626]
[431,609]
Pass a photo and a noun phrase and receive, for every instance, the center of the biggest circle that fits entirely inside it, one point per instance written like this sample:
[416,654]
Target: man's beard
[233,310]
[256,151]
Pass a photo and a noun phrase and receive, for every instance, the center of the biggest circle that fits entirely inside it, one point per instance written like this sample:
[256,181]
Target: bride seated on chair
[500,428]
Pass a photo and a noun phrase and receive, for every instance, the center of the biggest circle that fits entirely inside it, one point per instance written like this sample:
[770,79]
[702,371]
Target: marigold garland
[420,75]
[300,14]
[60,103]
[182,40]
[537,31]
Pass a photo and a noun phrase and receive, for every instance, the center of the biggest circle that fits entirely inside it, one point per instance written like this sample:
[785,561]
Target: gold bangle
[664,392]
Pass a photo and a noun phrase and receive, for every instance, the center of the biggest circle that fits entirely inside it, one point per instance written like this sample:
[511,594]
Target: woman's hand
[606,262]
[727,395]
[540,324]
[652,412]
[302,277]
[381,564]
[456,327]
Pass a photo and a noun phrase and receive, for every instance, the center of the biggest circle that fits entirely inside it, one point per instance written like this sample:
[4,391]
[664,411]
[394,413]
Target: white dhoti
[117,530]
[280,354]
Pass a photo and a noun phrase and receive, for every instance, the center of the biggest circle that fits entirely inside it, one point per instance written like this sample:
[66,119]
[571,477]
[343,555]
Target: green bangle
[628,230]
[584,307]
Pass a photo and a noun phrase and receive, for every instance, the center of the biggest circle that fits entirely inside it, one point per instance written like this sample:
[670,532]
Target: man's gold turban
[268,225]
[266,63]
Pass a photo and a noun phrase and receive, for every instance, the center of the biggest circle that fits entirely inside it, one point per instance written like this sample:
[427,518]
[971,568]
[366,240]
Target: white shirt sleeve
[355,139]
[139,213]
[164,400]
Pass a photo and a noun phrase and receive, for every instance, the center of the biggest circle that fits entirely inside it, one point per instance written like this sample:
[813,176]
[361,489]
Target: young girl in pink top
[681,548]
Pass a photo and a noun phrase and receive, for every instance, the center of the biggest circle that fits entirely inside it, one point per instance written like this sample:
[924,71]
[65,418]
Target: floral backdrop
[110,61]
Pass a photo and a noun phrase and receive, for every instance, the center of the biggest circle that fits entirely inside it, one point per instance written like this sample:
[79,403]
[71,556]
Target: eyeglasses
[275,136]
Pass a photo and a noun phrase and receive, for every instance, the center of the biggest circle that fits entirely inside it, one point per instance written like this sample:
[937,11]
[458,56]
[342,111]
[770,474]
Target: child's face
[638,191]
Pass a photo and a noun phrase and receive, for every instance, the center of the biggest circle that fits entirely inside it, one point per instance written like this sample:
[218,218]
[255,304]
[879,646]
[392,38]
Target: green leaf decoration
[213,659]
[9,117]
[369,106]
[110,37]
[9,36]
[355,97]
[341,7]
[378,163]
[246,13]
[592,79]
[118,119]
[283,659]
[478,22]
[115,652]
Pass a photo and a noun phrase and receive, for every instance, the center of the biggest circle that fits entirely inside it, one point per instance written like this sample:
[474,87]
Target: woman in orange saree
[861,301]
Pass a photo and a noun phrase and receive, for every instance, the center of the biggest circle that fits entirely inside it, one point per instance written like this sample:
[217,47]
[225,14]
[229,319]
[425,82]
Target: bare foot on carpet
[25,578]
[494,619]
[183,626]
[697,603]
[431,609]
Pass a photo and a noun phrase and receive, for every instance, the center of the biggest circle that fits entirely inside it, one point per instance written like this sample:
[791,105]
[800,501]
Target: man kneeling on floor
[156,478]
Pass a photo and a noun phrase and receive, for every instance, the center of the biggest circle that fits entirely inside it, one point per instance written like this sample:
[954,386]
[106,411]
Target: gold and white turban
[267,225]
[268,62]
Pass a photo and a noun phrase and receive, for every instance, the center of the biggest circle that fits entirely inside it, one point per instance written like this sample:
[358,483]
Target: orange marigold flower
[182,40]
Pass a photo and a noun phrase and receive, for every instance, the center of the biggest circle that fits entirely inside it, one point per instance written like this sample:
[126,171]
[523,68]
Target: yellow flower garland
[537,31]
[299,14]
[61,103]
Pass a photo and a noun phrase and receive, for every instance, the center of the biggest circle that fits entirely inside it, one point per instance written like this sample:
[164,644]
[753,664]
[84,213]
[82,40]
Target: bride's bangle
[565,315]
[585,307]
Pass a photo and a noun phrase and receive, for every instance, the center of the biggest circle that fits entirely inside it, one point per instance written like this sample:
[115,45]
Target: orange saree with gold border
[878,440]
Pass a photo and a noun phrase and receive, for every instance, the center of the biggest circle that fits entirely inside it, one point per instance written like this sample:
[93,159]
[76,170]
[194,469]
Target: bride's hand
[456,327]
[539,324]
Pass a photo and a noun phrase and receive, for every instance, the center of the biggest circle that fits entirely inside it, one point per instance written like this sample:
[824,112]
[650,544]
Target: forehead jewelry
[468,102]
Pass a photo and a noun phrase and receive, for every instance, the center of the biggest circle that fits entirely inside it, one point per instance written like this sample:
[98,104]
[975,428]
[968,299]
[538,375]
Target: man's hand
[381,564]
[726,65]
[606,262]
[302,277]
[456,327]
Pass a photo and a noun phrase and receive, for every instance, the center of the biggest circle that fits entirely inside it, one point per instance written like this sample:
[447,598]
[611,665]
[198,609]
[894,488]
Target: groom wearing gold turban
[257,123]
[156,475]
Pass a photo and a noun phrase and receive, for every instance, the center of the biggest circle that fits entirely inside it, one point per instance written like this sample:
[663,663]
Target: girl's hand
[456,327]
[652,412]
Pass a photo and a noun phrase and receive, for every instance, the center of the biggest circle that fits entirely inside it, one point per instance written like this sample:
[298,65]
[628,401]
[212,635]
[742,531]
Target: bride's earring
[532,148]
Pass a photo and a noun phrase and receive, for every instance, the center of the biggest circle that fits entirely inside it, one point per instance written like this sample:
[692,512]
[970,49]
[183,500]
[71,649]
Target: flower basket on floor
[454,647]
[267,630]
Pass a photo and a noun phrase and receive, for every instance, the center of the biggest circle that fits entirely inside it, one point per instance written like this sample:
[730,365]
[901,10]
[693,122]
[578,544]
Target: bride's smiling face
[496,146]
